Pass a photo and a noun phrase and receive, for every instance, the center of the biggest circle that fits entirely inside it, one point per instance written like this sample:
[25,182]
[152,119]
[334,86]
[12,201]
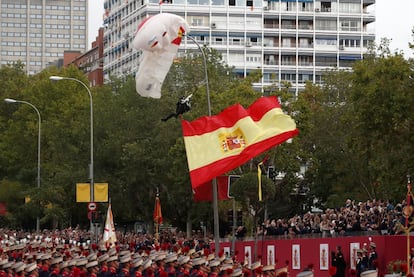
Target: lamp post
[215,195]
[9,100]
[91,173]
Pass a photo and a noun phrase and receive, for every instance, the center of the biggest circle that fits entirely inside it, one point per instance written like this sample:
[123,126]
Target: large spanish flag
[219,143]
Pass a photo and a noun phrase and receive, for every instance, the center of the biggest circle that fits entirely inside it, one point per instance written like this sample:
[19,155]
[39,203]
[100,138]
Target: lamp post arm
[205,73]
[91,166]
[8,100]
[91,173]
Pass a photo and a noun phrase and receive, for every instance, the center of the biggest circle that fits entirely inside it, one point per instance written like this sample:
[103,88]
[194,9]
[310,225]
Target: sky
[394,20]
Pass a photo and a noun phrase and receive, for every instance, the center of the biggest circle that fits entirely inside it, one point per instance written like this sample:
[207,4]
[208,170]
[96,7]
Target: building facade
[37,32]
[90,62]
[287,40]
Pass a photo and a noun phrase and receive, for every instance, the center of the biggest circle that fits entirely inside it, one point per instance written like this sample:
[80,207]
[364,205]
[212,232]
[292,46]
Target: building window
[326,42]
[328,25]
[325,6]
[350,25]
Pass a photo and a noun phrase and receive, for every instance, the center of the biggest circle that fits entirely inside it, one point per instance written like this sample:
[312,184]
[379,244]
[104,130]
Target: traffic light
[239,218]
[271,173]
[230,217]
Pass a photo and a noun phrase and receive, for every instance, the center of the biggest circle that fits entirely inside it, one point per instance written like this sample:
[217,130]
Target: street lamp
[9,100]
[59,78]
[214,185]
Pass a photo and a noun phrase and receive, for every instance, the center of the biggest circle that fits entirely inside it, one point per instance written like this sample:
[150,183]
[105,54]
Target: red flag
[205,191]
[3,209]
[217,144]
[157,211]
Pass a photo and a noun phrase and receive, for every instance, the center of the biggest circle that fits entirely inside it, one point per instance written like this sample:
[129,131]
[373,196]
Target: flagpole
[407,223]
[156,231]
[215,194]
[155,210]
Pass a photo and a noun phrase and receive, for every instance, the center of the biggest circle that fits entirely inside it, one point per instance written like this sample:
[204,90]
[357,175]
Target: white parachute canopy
[158,37]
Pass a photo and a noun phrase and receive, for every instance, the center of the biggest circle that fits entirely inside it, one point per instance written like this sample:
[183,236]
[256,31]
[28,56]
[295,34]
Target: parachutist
[183,105]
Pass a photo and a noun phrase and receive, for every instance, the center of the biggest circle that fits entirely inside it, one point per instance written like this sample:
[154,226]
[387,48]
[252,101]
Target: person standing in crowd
[137,268]
[64,269]
[184,267]
[373,256]
[197,271]
[92,268]
[31,270]
[44,269]
[147,270]
[411,259]
[125,262]
[54,270]
[256,269]
[361,262]
[338,261]
[19,269]
[102,264]
[112,266]
[214,268]
[170,264]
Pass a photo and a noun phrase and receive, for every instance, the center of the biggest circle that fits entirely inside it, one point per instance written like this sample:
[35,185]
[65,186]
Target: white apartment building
[37,32]
[288,40]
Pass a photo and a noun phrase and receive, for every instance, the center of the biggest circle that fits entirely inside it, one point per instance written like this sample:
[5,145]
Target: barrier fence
[302,252]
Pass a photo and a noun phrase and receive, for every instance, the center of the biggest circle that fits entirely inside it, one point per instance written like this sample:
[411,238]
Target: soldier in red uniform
[81,265]
[92,268]
[2,271]
[19,269]
[112,266]
[269,270]
[54,267]
[184,266]
[125,262]
[197,271]
[137,267]
[147,270]
[31,270]
[45,263]
[170,264]
[256,269]
[214,268]
[7,268]
[103,265]
[64,269]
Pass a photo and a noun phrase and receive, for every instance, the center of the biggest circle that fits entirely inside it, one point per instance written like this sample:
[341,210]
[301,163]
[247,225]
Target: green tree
[349,129]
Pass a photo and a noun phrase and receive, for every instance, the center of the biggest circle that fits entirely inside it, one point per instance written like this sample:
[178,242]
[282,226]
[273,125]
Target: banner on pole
[83,192]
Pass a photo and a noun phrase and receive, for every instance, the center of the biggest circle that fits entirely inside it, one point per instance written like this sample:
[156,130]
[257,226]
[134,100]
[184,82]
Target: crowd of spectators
[373,216]
[78,237]
[377,216]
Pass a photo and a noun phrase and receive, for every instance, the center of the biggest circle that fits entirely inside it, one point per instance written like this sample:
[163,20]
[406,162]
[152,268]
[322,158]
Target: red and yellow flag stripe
[217,144]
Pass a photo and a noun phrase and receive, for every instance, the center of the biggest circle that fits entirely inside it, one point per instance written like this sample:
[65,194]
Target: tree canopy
[355,142]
